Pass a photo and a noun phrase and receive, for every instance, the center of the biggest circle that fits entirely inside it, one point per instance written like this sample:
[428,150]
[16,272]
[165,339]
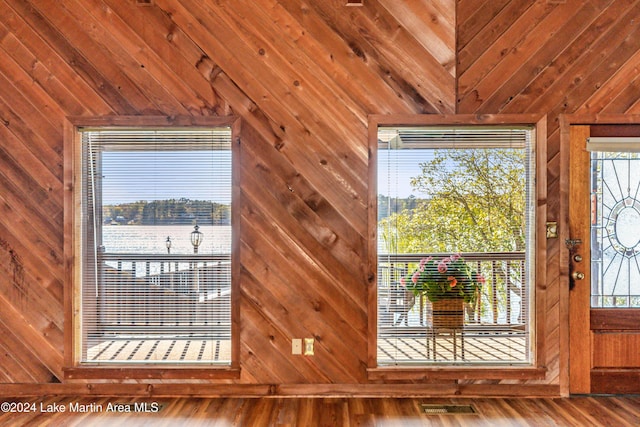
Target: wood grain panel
[616,350]
[373,35]
[579,298]
[65,54]
[615,319]
[42,339]
[438,38]
[616,381]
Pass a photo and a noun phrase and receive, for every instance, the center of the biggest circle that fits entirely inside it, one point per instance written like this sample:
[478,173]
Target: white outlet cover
[296,346]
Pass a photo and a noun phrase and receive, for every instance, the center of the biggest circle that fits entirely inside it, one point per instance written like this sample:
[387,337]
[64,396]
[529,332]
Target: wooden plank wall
[554,57]
[304,76]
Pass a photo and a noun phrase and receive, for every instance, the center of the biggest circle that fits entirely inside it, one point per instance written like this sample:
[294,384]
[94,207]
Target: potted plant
[448,283]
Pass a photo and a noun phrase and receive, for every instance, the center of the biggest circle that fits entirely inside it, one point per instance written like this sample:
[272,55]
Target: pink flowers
[415,276]
[442,267]
[423,262]
[445,277]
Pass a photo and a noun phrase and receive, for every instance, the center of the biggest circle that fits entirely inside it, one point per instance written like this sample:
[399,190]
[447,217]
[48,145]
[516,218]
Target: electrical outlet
[308,346]
[296,346]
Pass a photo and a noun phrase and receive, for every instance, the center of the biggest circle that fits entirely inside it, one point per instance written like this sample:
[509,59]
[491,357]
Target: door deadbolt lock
[577,258]
[572,243]
[577,275]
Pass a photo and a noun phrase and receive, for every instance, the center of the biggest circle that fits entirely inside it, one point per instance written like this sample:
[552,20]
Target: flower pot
[448,313]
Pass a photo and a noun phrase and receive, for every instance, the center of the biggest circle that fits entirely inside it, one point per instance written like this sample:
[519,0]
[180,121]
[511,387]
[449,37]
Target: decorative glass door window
[615,229]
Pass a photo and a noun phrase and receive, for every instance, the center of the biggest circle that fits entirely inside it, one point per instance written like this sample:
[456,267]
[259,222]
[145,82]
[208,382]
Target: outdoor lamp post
[196,238]
[168,244]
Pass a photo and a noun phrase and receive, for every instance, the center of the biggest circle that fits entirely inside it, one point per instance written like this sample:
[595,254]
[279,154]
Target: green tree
[475,201]
[171,211]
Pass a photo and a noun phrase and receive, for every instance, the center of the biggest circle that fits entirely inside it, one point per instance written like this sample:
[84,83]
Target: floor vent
[447,409]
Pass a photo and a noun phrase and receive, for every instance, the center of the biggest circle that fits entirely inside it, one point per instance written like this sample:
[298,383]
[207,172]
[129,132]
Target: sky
[409,162]
[166,175]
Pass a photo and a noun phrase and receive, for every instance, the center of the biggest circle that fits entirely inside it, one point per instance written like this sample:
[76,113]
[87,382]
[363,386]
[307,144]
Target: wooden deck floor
[161,350]
[448,349]
[468,347]
[334,412]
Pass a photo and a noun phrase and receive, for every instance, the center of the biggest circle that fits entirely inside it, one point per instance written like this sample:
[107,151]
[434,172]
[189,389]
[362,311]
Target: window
[615,213]
[153,236]
[449,191]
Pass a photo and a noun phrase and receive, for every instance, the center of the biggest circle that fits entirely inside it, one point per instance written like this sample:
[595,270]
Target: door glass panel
[615,229]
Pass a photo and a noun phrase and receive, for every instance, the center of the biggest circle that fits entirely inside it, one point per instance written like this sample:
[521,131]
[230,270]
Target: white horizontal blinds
[437,137]
[147,296]
[456,189]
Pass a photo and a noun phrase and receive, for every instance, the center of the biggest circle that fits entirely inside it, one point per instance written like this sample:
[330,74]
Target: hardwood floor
[577,411]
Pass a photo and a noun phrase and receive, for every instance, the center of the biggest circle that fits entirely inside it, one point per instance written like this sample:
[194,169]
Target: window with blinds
[156,245]
[461,191]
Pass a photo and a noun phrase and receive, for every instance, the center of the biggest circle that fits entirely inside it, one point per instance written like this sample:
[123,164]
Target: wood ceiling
[303,76]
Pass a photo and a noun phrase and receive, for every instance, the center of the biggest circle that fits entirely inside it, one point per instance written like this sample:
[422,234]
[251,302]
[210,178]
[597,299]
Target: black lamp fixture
[168,244]
[196,238]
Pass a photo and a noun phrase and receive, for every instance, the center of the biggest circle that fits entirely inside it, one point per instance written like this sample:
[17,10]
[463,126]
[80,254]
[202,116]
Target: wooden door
[604,245]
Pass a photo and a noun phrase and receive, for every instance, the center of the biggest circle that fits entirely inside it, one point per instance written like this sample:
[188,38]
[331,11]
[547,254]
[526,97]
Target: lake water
[150,239]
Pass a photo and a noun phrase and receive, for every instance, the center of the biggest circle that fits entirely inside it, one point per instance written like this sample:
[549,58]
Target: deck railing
[503,298]
[185,274]
[149,293]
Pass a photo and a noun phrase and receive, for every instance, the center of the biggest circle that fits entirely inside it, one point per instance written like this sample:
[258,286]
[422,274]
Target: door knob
[577,258]
[577,275]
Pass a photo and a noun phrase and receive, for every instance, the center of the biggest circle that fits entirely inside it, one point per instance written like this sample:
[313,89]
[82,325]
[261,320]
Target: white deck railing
[503,299]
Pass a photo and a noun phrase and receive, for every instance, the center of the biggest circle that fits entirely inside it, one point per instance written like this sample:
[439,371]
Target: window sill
[461,373]
[146,372]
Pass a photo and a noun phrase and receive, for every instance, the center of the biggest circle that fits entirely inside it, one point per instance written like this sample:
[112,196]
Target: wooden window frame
[72,253]
[538,368]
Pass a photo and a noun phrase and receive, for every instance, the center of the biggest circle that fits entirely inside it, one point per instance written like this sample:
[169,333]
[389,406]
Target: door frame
[566,122]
